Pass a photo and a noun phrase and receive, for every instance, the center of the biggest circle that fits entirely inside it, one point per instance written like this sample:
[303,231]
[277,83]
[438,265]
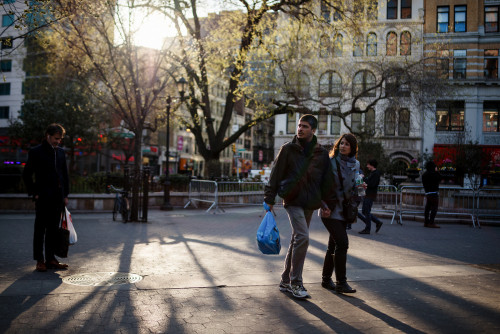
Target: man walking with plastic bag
[47,162]
[299,177]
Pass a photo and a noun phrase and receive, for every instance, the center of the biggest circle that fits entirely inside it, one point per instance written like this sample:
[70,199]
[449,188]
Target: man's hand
[325,212]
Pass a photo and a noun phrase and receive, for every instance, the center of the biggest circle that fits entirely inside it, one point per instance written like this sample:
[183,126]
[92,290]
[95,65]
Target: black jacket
[48,165]
[430,180]
[372,181]
[300,179]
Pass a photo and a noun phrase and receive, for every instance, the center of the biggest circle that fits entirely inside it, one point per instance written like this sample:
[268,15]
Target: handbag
[62,238]
[268,235]
[349,204]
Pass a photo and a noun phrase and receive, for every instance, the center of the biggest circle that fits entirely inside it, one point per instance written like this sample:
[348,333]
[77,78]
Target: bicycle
[121,205]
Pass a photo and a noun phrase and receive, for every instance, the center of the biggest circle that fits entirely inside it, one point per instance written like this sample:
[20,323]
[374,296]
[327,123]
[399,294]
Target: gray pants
[294,262]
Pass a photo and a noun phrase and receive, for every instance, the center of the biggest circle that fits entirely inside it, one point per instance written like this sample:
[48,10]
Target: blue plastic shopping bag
[268,236]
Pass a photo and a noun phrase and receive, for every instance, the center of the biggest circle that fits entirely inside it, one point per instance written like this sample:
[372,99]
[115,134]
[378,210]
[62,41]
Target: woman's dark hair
[353,142]
[54,128]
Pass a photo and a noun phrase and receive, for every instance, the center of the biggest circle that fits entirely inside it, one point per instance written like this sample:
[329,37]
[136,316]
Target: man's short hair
[373,162]
[55,128]
[313,122]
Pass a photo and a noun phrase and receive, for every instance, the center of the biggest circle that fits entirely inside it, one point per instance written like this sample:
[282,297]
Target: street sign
[241,150]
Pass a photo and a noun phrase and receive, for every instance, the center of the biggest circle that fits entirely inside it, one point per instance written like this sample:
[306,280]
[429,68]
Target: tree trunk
[212,168]
[136,178]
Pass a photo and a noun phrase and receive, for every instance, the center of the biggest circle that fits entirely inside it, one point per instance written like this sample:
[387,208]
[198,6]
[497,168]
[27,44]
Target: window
[443,64]
[491,64]
[358,46]
[322,122]
[371,44]
[8,1]
[392,9]
[6,42]
[324,48]
[390,122]
[300,85]
[405,47]
[406,9]
[370,122]
[325,11]
[392,44]
[443,19]
[7,20]
[404,123]
[491,19]
[490,116]
[290,122]
[450,115]
[372,10]
[338,45]
[334,125]
[459,64]
[356,122]
[359,10]
[6,65]
[5,88]
[460,18]
[330,84]
[363,81]
[337,8]
[4,112]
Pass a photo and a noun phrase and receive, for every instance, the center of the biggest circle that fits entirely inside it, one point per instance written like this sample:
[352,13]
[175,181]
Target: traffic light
[234,148]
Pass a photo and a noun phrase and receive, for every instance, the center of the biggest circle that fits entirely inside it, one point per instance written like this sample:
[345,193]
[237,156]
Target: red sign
[180,143]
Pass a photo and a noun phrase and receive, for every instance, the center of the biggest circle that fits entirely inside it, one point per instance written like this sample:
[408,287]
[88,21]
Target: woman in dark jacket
[343,153]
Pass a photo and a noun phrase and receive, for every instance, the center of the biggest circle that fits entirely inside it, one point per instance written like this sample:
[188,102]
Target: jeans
[300,220]
[336,254]
[366,215]
[431,208]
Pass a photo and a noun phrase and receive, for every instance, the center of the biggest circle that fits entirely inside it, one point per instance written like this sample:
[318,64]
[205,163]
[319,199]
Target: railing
[387,200]
[487,204]
[203,191]
[456,201]
[452,201]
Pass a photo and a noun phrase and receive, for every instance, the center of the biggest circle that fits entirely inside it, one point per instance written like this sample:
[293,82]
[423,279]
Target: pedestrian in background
[430,180]
[343,159]
[298,176]
[372,181]
[50,189]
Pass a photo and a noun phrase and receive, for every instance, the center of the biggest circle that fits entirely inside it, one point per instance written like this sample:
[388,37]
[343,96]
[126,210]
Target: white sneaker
[298,291]
[285,287]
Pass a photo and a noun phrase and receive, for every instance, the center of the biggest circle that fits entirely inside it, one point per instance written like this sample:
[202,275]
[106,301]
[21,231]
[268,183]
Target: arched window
[390,122]
[405,48]
[338,45]
[330,84]
[301,84]
[363,81]
[370,122]
[404,123]
[371,44]
[356,122]
[358,47]
[324,46]
[392,44]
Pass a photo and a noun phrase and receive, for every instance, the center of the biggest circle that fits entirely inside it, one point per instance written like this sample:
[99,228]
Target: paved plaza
[197,272]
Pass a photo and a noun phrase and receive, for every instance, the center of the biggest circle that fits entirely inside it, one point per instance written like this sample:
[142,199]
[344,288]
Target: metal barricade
[452,201]
[240,193]
[387,200]
[487,205]
[203,191]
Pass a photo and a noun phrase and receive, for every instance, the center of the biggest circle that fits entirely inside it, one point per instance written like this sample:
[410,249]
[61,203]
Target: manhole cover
[102,279]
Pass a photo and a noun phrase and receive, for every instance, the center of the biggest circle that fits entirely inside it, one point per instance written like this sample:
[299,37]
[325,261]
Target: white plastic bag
[69,223]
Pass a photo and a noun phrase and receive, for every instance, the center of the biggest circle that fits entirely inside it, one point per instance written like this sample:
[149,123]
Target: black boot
[343,287]
[328,284]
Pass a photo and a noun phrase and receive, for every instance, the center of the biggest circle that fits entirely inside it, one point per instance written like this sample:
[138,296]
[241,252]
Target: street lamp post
[181,84]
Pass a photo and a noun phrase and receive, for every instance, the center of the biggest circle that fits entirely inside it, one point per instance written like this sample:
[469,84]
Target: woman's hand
[325,212]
